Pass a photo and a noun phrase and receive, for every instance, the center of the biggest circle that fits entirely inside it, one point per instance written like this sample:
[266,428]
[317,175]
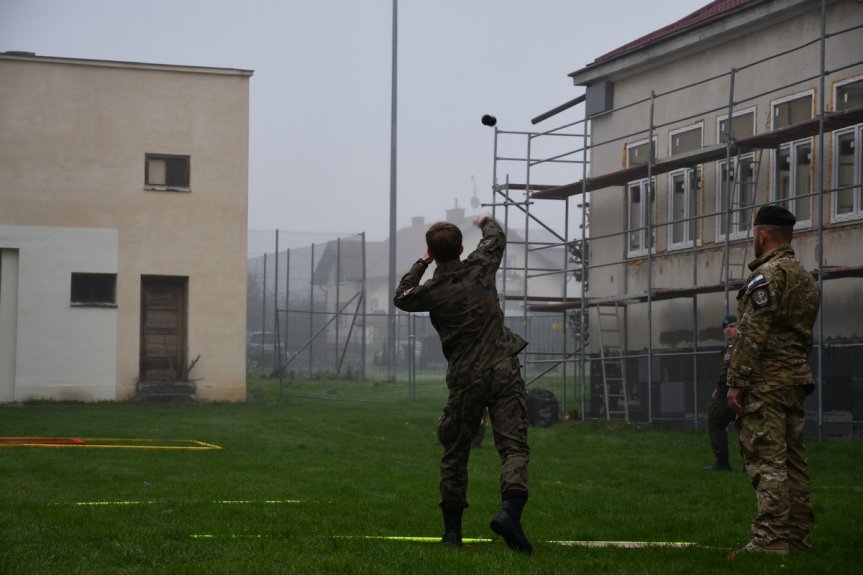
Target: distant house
[122,228]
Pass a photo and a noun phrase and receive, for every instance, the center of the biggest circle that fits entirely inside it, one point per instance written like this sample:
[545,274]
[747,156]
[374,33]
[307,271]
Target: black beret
[774,216]
[730,318]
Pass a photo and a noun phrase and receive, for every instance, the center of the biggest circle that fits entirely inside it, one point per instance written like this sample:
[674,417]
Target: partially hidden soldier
[719,415]
[768,379]
[482,371]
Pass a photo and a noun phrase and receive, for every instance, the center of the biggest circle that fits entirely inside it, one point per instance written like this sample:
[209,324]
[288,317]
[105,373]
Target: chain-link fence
[313,313]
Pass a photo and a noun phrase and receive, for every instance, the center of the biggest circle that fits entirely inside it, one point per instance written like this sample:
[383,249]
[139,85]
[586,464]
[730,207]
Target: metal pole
[277,329]
[338,282]
[391,332]
[263,314]
[820,156]
[524,323]
[583,337]
[287,311]
[365,309]
[729,193]
[311,304]
[651,158]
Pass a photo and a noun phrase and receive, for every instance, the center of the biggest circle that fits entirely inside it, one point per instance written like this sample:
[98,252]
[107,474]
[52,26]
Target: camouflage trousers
[771,440]
[719,415]
[501,389]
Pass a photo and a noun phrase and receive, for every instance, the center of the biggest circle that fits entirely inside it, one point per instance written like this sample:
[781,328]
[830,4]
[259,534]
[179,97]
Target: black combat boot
[507,524]
[721,464]
[451,525]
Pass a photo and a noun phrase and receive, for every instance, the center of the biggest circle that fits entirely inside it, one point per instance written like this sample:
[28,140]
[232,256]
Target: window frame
[790,203]
[691,235]
[92,301]
[691,225]
[857,198]
[838,84]
[167,187]
[741,229]
[647,188]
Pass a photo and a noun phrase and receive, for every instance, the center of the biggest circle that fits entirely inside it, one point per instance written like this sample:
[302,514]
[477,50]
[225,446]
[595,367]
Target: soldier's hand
[478,220]
[735,399]
[427,258]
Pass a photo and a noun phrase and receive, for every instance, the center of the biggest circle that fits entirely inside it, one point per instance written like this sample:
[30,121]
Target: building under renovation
[682,135]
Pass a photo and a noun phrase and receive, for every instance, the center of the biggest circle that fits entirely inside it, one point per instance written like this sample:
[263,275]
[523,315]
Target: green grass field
[314,486]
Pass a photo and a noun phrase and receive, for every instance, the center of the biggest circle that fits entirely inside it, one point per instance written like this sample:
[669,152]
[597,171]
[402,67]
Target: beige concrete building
[123,229]
[673,186]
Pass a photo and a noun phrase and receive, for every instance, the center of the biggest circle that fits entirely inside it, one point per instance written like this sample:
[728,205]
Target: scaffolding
[595,359]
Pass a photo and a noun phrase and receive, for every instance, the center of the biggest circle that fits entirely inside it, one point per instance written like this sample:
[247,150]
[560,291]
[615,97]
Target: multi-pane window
[684,190]
[637,203]
[792,163]
[736,187]
[684,195]
[167,172]
[94,289]
[847,198]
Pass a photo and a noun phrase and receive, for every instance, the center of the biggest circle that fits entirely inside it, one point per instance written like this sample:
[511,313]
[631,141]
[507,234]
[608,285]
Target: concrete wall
[61,351]
[72,155]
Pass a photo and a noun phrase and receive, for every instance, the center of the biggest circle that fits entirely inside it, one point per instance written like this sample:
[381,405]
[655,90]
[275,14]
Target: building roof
[716,10]
[15,55]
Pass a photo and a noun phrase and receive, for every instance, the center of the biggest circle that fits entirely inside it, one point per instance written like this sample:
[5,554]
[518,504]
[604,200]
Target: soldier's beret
[774,216]
[730,318]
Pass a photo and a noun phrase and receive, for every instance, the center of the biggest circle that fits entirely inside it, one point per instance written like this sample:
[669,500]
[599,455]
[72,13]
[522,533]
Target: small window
[849,96]
[94,289]
[792,111]
[742,126]
[167,172]
[685,140]
[637,154]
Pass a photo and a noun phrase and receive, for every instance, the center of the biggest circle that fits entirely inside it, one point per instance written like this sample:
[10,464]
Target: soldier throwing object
[768,379]
[482,371]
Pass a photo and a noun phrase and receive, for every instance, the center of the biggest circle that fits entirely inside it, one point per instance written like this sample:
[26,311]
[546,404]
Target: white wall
[64,352]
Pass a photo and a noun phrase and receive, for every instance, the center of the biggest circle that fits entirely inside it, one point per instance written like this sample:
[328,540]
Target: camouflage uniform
[719,415]
[482,369]
[776,309]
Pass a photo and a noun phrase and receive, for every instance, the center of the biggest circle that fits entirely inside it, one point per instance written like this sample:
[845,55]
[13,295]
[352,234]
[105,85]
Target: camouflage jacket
[462,301]
[776,310]
[722,380]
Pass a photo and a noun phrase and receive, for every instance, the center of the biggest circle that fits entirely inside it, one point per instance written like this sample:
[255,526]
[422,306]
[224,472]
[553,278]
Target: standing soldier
[768,379]
[482,371]
[719,415]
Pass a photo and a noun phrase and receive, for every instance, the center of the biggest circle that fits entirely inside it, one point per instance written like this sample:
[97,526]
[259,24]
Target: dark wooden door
[163,328]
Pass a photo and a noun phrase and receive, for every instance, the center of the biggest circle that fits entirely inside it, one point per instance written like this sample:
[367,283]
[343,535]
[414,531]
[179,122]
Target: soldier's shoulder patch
[760,297]
[407,291]
[486,242]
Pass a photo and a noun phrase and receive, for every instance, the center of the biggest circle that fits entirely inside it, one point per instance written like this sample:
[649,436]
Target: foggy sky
[320,96]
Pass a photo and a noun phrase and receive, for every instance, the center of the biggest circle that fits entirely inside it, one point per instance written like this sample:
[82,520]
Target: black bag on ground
[542,408]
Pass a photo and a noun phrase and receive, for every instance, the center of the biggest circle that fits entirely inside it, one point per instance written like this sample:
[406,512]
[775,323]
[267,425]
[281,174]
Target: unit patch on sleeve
[760,298]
